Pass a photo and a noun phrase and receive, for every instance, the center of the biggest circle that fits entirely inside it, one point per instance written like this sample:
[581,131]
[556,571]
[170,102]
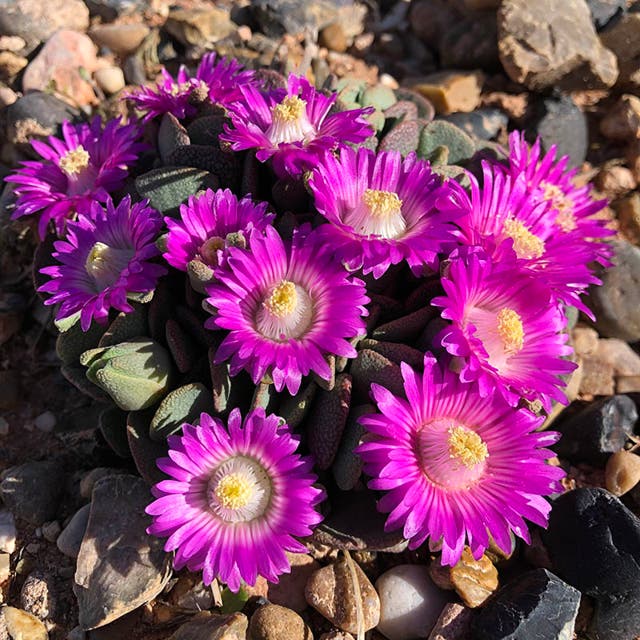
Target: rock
[536,605]
[622,472]
[614,181]
[604,11]
[584,341]
[45,422]
[431,19]
[622,121]
[32,490]
[116,543]
[22,625]
[409,602]
[12,43]
[272,622]
[70,539]
[599,429]
[450,91]
[199,27]
[279,17]
[51,530]
[36,116]
[7,532]
[59,64]
[591,523]
[190,593]
[471,43]
[11,65]
[330,590]
[453,623]
[207,626]
[109,10]
[484,124]
[88,481]
[333,37]
[473,580]
[110,79]
[38,595]
[624,360]
[36,21]
[616,303]
[122,39]
[621,37]
[289,590]
[558,121]
[628,213]
[7,96]
[597,378]
[547,43]
[5,567]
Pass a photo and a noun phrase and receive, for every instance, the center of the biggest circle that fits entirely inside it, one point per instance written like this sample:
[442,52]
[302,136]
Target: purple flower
[292,126]
[105,256]
[86,165]
[286,306]
[456,468]
[381,209]
[236,499]
[204,223]
[219,82]
[505,328]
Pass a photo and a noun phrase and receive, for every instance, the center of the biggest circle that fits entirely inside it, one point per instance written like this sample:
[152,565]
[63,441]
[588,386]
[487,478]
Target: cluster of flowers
[459,459]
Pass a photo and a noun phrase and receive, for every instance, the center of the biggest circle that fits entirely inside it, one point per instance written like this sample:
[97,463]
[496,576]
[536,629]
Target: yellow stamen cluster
[234,491]
[566,218]
[95,260]
[289,110]
[510,330]
[74,161]
[525,244]
[381,203]
[467,446]
[283,299]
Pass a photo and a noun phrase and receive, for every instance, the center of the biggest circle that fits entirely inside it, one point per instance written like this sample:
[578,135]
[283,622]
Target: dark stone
[33,490]
[618,620]
[537,605]
[598,430]
[471,44]
[616,303]
[604,11]
[483,123]
[559,121]
[109,10]
[276,18]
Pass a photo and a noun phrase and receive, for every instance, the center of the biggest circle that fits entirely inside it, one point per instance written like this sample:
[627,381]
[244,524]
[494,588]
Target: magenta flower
[219,82]
[204,223]
[381,210]
[505,219]
[456,468]
[106,255]
[505,328]
[292,126]
[236,500]
[286,306]
[86,165]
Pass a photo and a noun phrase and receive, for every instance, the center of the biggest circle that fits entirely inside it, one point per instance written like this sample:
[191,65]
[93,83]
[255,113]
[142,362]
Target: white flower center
[239,490]
[290,122]
[379,213]
[75,161]
[285,313]
[105,264]
[526,245]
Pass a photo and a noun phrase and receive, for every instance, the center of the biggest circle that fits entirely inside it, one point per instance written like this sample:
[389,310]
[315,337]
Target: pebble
[199,27]
[621,37]
[453,623]
[614,181]
[330,590]
[536,605]
[70,539]
[207,626]
[484,124]
[33,490]
[628,214]
[110,79]
[289,590]
[333,37]
[604,11]
[60,62]
[450,91]
[622,121]
[474,580]
[7,531]
[599,429]
[5,567]
[7,96]
[597,378]
[547,43]
[45,422]
[22,625]
[38,595]
[471,43]
[11,64]
[273,622]
[51,530]
[122,39]
[617,353]
[410,603]
[431,19]
[190,593]
[616,303]
[109,10]
[12,43]
[622,472]
[88,481]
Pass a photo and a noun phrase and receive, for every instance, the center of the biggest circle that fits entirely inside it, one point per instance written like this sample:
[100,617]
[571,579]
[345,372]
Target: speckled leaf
[78,378]
[406,328]
[347,467]
[225,165]
[327,384]
[402,110]
[369,367]
[379,96]
[294,408]
[426,110]
[171,135]
[206,130]
[181,346]
[396,352]
[126,326]
[404,138]
[113,426]
[73,342]
[441,133]
[145,451]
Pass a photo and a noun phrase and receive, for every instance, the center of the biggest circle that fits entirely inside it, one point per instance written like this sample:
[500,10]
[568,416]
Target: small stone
[628,214]
[45,422]
[88,481]
[621,37]
[32,490]
[70,539]
[614,181]
[333,37]
[599,429]
[474,580]
[622,472]
[11,65]
[38,595]
[597,378]
[289,590]
[7,531]
[122,39]
[110,79]
[22,625]
[536,605]
[207,626]
[189,593]
[628,384]
[51,530]
[604,11]
[272,622]
[109,10]
[450,91]
[622,121]
[624,360]
[471,43]
[484,124]
[548,43]
[409,602]
[12,43]
[330,590]
[60,64]
[584,341]
[5,567]
[453,623]
[199,27]
[7,96]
